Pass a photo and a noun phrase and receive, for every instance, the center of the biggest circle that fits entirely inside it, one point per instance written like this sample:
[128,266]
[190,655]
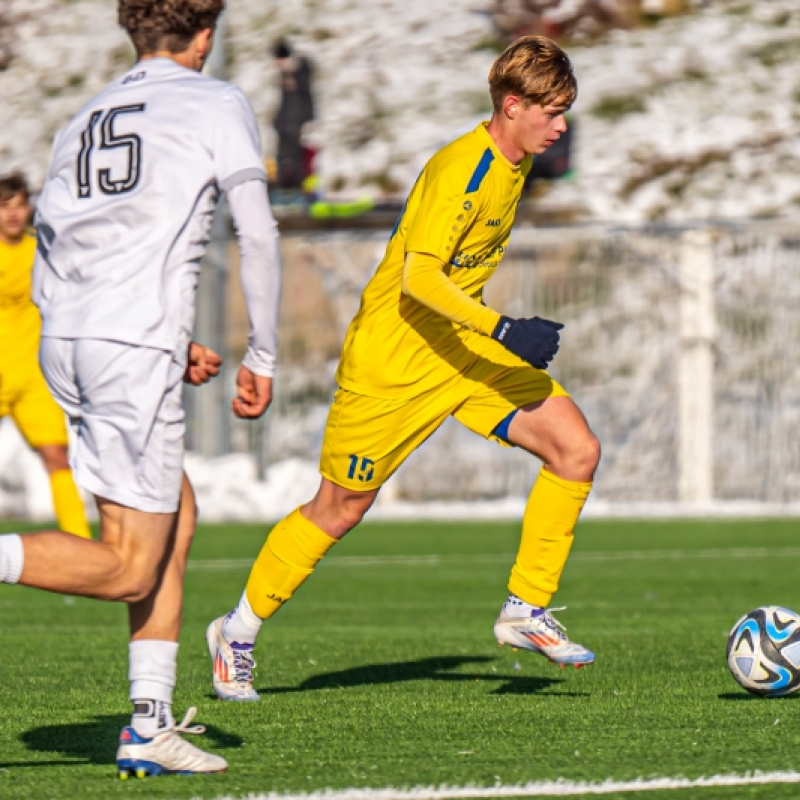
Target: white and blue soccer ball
[764,651]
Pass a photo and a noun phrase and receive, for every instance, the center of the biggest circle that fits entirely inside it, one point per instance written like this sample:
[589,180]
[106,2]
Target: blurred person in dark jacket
[296,108]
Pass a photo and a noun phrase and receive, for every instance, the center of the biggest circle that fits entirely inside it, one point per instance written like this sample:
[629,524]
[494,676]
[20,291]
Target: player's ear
[204,41]
[512,105]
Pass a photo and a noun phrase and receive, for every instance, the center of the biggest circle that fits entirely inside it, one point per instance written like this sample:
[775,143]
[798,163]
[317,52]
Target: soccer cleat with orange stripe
[232,665]
[544,634]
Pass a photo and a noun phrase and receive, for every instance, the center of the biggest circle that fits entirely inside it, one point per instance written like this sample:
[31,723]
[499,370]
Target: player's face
[14,214]
[537,127]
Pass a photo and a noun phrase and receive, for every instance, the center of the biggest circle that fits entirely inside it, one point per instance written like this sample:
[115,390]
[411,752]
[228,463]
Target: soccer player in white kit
[123,220]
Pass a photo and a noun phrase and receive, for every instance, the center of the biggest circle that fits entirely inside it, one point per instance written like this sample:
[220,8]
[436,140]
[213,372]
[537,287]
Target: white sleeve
[236,142]
[257,233]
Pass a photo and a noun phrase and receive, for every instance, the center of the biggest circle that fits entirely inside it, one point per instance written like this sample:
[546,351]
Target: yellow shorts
[24,397]
[368,438]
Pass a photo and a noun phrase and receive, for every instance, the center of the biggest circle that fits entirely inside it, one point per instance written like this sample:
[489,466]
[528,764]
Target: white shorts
[124,408]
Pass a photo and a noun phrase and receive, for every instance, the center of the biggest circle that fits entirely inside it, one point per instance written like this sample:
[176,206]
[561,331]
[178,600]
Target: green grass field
[383,670]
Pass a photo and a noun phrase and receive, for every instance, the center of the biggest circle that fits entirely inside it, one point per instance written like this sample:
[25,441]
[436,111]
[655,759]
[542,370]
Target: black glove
[534,340]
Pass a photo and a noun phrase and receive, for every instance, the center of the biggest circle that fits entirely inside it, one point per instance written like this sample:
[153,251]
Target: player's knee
[347,514]
[576,457]
[54,457]
[584,455]
[590,452]
[134,577]
[138,584]
[336,510]
[351,514]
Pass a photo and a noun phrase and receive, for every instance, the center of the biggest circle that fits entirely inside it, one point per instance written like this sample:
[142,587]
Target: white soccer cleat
[541,634]
[232,665]
[166,753]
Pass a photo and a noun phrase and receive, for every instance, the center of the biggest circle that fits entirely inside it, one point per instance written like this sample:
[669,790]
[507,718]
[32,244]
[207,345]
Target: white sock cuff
[242,624]
[248,615]
[152,669]
[12,557]
[516,607]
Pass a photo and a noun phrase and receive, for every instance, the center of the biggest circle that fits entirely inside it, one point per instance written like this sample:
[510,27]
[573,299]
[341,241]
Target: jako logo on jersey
[493,223]
[135,77]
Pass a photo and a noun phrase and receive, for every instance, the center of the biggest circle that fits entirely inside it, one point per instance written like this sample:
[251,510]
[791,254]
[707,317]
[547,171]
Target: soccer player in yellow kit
[24,395]
[423,347]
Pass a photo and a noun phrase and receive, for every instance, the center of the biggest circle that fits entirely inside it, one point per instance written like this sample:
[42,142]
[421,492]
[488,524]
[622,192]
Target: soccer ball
[764,651]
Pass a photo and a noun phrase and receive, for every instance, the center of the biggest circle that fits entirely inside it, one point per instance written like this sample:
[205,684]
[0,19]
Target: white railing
[680,345]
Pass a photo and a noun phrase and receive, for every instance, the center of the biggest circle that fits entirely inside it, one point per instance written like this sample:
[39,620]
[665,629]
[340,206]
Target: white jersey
[124,216]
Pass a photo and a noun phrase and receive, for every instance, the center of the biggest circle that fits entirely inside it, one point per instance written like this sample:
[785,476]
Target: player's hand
[202,366]
[534,340]
[253,394]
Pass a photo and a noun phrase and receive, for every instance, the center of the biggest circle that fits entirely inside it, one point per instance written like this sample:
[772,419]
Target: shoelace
[552,623]
[243,666]
[184,725]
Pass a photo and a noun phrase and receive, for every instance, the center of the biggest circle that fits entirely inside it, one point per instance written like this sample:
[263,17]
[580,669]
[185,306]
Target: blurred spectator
[295,111]
[560,19]
[6,37]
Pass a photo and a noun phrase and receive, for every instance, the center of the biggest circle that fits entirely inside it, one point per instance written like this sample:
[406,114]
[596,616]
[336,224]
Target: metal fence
[680,346]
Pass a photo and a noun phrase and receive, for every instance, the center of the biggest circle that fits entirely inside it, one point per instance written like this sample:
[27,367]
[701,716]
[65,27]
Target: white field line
[502,558]
[558,788]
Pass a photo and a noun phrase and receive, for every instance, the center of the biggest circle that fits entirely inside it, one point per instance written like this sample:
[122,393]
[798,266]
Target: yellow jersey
[460,211]
[20,322]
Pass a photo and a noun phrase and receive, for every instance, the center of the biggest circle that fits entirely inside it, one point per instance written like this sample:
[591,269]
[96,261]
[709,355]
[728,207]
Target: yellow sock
[70,513]
[550,516]
[292,550]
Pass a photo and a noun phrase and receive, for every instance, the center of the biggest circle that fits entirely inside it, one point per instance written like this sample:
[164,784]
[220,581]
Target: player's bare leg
[556,431]
[292,550]
[54,457]
[140,559]
[123,565]
[151,744]
[158,616]
[337,510]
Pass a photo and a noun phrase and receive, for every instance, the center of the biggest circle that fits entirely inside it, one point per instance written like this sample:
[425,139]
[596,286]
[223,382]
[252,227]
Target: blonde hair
[166,24]
[536,69]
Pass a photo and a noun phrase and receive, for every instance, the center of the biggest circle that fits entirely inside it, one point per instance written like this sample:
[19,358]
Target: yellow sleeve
[444,212]
[425,281]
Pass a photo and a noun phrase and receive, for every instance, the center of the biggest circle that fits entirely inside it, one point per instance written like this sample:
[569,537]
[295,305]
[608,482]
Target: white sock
[151,717]
[152,671]
[242,624]
[515,607]
[12,557]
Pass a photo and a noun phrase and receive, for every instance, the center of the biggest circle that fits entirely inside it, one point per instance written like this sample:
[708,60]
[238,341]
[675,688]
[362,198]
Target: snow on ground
[697,116]
[713,121]
[229,489]
[24,487]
